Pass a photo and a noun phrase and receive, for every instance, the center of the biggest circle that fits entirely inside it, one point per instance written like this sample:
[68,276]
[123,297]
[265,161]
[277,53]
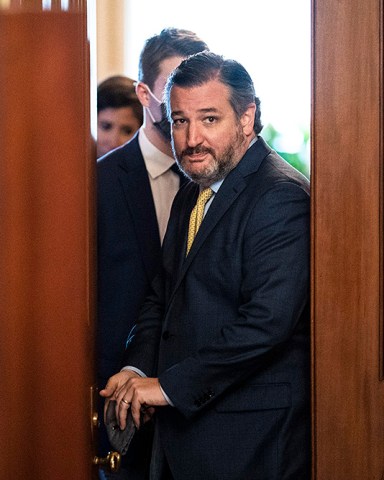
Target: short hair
[203,67]
[118,91]
[170,42]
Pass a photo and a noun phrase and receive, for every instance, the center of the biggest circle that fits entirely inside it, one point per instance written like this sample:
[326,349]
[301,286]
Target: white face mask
[157,100]
[154,96]
[162,125]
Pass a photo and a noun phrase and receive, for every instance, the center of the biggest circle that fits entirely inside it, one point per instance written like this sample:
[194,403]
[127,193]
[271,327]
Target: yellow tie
[197,215]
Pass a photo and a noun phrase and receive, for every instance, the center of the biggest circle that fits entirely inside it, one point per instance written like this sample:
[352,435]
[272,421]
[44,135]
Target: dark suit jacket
[129,250]
[129,254]
[227,328]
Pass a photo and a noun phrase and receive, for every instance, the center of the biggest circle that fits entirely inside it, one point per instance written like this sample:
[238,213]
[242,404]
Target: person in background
[119,113]
[136,185]
[221,350]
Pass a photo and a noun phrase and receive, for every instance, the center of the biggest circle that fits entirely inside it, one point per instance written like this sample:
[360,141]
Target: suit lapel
[222,201]
[174,255]
[183,178]
[137,191]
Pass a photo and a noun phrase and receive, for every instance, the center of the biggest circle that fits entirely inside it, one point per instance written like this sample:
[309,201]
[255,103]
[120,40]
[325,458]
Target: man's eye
[105,126]
[178,121]
[210,119]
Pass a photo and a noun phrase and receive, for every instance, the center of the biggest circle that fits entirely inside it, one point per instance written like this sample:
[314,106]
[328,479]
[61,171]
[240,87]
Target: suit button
[166,335]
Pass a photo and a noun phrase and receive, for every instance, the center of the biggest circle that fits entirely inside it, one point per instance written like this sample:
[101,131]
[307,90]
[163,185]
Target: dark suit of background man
[136,187]
[224,338]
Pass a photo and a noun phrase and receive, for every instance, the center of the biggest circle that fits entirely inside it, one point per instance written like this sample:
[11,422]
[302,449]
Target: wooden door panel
[348,393]
[46,259]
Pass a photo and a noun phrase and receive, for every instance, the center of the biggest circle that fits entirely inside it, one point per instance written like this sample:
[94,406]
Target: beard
[219,166]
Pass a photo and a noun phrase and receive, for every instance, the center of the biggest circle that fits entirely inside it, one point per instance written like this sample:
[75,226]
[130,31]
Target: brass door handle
[112,460]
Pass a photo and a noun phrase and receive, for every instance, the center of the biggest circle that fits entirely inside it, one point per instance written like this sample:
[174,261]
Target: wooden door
[347,159]
[46,238]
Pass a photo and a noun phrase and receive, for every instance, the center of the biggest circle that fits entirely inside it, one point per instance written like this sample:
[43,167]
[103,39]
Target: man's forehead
[210,97]
[167,65]
[211,88]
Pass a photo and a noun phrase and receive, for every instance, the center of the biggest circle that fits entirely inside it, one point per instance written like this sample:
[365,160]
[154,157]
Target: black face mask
[163,125]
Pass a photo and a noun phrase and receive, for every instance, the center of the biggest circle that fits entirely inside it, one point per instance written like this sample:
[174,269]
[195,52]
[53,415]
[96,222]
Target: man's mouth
[197,154]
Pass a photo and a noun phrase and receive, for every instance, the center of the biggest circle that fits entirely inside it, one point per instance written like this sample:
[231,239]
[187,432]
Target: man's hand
[140,395]
[114,386]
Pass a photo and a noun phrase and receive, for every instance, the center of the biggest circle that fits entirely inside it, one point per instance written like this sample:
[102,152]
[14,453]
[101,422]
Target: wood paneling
[46,259]
[348,393]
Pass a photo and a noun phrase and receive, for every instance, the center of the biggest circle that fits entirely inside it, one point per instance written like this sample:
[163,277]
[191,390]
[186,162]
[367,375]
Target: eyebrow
[202,110]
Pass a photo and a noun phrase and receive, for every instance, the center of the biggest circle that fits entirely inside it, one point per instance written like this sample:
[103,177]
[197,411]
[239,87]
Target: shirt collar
[253,141]
[156,161]
[215,186]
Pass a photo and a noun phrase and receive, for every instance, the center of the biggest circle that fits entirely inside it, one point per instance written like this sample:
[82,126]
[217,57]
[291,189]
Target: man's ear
[248,119]
[142,93]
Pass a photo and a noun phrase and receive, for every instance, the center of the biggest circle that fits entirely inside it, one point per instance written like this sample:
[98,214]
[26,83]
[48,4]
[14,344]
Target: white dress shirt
[164,182]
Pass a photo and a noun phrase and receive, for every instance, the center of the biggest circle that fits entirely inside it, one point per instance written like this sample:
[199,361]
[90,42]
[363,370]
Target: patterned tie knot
[203,197]
[197,215]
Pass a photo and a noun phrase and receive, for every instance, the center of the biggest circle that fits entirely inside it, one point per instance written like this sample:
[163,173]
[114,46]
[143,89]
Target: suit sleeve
[143,341]
[274,293]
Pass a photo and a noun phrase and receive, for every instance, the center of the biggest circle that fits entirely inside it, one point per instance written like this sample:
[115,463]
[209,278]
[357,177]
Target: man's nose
[116,139]
[194,135]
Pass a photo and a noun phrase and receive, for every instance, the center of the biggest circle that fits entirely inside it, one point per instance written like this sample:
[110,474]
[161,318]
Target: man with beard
[136,185]
[221,352]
